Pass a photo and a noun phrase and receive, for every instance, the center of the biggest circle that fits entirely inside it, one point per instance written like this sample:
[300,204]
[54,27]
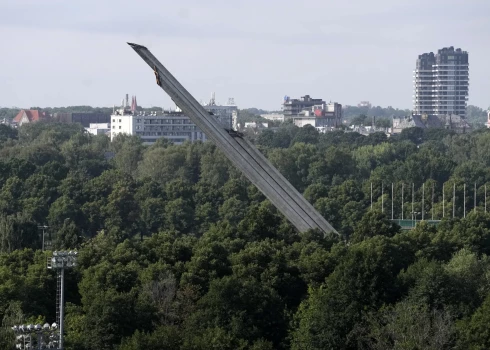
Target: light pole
[60,261]
[43,227]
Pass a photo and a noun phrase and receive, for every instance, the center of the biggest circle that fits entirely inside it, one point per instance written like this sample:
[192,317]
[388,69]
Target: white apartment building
[174,125]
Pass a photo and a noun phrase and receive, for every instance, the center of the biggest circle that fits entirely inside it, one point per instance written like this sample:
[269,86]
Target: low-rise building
[273,117]
[488,119]
[429,121]
[82,118]
[293,107]
[324,117]
[99,129]
[173,125]
[26,116]
[256,125]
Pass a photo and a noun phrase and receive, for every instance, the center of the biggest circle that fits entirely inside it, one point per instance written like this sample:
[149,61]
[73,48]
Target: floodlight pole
[402,198]
[60,261]
[62,305]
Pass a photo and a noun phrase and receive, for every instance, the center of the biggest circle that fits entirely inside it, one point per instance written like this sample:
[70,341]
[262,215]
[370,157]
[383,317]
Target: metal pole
[382,199]
[443,201]
[413,187]
[62,307]
[392,200]
[485,198]
[464,200]
[454,197]
[44,227]
[474,199]
[371,196]
[402,198]
[423,200]
[432,205]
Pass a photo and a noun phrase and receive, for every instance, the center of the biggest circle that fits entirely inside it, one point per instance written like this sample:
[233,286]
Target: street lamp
[60,261]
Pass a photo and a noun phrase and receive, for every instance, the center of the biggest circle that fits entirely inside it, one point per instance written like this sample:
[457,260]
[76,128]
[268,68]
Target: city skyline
[76,54]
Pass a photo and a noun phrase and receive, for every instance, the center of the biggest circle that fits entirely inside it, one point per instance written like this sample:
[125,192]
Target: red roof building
[29,116]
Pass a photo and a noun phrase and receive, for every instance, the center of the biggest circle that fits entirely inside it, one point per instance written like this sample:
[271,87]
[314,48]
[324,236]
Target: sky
[65,53]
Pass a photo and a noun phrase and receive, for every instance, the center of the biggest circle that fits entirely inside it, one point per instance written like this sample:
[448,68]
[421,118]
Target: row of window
[152,133]
[164,121]
[163,128]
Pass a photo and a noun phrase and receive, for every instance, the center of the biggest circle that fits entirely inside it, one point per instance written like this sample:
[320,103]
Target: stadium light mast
[60,261]
[35,336]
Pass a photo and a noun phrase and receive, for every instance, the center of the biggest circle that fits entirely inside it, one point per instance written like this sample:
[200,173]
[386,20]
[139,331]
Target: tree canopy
[177,250]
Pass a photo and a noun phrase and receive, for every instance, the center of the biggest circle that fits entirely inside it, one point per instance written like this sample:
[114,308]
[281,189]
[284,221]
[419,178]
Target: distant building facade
[173,125]
[488,119]
[426,121]
[324,117]
[293,107]
[26,116]
[83,118]
[99,129]
[364,104]
[273,117]
[441,83]
[256,125]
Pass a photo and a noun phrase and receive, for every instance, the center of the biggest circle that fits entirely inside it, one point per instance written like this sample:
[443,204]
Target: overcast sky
[61,53]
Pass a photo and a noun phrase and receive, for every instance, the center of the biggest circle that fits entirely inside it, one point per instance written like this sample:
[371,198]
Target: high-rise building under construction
[441,83]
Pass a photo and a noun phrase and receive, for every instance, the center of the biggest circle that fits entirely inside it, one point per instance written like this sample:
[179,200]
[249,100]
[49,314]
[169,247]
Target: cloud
[255,51]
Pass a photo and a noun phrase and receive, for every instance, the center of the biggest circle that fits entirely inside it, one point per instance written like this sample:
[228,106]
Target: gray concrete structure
[240,152]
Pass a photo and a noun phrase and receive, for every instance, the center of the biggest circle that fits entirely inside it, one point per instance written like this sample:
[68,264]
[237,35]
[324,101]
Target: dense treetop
[179,251]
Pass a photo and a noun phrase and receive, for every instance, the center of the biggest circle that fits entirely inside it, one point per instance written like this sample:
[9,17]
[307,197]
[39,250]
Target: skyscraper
[441,82]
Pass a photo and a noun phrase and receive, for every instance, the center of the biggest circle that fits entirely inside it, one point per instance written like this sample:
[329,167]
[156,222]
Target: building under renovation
[324,117]
[441,83]
[313,111]
[293,107]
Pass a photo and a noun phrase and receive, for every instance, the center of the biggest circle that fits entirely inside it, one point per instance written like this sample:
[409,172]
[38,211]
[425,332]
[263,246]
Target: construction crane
[245,156]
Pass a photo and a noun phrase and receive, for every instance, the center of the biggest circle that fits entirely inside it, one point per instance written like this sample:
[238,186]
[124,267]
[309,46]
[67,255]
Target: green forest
[177,250]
